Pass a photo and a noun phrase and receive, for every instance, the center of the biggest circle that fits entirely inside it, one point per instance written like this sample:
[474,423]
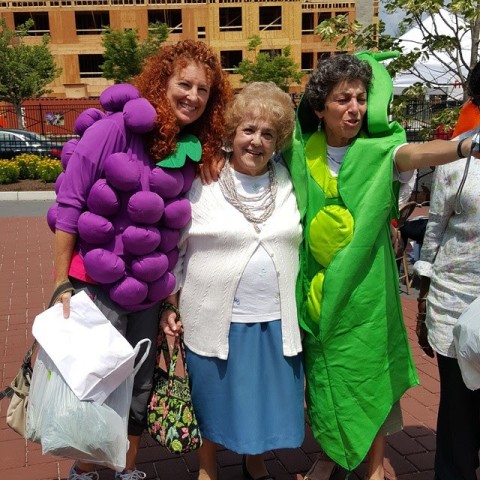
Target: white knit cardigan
[216,246]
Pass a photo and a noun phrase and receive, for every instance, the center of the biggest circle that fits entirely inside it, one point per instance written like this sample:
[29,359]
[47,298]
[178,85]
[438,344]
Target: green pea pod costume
[357,356]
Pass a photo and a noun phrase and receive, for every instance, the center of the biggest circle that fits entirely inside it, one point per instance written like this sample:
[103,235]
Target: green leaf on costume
[187,146]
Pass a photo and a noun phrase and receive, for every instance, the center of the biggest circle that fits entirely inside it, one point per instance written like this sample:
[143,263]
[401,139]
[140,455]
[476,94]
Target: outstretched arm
[437,152]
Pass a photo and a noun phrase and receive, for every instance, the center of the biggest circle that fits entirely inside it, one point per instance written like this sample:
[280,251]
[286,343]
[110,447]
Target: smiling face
[188,90]
[345,108]
[253,145]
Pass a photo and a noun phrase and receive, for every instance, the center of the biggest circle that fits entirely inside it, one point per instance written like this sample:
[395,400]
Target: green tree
[452,21]
[26,70]
[279,69]
[125,54]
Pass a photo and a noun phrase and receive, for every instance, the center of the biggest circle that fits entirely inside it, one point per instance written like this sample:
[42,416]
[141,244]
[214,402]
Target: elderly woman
[119,213]
[346,166]
[449,281]
[237,271]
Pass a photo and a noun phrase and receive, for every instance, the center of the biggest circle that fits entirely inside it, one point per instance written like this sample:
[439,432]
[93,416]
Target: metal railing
[49,118]
[416,119]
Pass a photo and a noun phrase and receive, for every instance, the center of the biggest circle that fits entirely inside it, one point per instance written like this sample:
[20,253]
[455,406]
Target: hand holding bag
[93,357]
[170,417]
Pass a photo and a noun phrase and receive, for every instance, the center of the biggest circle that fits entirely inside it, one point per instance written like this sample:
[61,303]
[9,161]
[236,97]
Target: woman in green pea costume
[345,164]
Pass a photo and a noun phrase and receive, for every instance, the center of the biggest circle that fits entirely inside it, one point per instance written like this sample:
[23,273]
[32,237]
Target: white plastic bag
[466,336]
[93,357]
[66,426]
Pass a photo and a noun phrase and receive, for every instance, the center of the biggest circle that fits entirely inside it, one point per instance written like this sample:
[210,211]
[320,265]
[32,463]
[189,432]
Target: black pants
[414,230]
[458,425]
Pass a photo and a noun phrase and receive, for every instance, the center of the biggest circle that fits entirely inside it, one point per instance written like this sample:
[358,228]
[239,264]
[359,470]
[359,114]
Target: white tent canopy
[434,70]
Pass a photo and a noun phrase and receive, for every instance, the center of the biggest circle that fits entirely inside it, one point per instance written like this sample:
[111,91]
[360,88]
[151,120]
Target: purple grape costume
[125,210]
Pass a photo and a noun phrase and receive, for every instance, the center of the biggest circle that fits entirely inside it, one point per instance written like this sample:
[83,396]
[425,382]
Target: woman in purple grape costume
[121,201]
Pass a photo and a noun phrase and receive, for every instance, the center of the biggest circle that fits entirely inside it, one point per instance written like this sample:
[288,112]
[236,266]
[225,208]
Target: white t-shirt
[257,298]
[335,156]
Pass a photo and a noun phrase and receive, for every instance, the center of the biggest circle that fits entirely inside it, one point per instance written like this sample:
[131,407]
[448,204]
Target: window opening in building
[90,65]
[272,52]
[230,19]
[201,32]
[270,18]
[230,59]
[91,23]
[172,18]
[40,19]
[307,61]
[324,16]
[307,23]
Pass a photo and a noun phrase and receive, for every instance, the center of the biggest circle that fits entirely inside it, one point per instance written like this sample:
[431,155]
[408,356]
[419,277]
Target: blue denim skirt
[253,401]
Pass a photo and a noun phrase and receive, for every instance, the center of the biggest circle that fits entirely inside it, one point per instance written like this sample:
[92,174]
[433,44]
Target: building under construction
[75,28]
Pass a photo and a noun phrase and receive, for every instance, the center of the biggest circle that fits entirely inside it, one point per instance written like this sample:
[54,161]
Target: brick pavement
[26,250]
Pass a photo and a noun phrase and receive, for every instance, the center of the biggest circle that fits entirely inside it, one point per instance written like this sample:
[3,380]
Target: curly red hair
[152,83]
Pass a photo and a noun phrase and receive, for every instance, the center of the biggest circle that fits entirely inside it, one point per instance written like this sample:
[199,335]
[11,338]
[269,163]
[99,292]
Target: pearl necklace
[256,208]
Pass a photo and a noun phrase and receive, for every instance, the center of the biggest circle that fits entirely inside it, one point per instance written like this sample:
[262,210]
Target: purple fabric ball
[161,288]
[104,266]
[102,199]
[172,256]
[145,207]
[188,172]
[113,98]
[139,115]
[150,267]
[52,217]
[169,239]
[67,151]
[95,229]
[177,213]
[128,291]
[121,171]
[87,118]
[140,240]
[58,182]
[167,182]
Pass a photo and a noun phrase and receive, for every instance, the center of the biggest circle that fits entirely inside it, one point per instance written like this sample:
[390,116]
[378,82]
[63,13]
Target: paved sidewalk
[26,253]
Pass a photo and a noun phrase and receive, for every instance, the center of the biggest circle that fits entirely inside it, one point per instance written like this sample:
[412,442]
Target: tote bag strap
[171,362]
[178,347]
[148,343]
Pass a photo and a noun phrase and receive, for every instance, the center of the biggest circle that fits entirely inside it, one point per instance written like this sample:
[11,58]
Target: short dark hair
[332,71]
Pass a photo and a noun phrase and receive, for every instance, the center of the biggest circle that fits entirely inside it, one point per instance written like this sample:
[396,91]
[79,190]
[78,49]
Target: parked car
[15,142]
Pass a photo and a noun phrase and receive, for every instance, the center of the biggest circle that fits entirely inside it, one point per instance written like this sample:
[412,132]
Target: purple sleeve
[85,167]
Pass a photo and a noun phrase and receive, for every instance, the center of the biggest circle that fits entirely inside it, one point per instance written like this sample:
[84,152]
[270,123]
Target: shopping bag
[466,337]
[83,430]
[93,357]
[171,419]
[19,392]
